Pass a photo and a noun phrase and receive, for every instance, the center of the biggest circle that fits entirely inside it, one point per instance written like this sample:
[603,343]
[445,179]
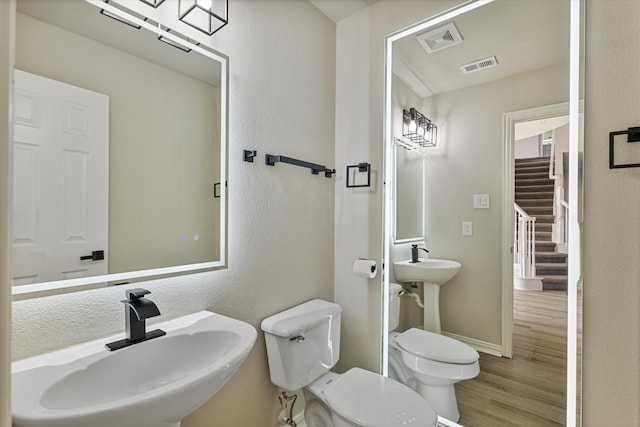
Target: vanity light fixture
[207,16]
[154,3]
[418,129]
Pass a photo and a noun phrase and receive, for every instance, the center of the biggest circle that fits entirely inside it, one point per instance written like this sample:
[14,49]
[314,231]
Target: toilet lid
[436,347]
[371,400]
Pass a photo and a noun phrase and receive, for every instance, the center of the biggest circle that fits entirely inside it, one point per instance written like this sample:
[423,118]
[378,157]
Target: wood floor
[530,389]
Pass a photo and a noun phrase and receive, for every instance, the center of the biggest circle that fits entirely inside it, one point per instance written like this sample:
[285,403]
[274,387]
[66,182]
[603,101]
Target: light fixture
[177,45]
[418,129]
[120,19]
[154,3]
[207,16]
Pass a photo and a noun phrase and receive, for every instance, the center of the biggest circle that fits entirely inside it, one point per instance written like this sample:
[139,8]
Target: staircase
[534,194]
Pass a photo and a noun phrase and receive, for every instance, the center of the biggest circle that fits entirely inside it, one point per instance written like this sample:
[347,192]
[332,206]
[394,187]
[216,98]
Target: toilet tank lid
[300,318]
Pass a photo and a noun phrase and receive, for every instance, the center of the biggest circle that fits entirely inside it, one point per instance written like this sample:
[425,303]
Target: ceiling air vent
[440,38]
[478,65]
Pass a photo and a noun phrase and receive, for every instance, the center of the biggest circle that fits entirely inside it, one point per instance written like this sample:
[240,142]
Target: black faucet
[137,310]
[414,253]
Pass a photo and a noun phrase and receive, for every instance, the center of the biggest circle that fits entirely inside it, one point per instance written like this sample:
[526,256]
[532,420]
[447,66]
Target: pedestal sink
[432,273]
[155,383]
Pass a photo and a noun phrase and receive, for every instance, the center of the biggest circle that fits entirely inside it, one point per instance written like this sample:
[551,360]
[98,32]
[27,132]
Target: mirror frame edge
[576,76]
[88,283]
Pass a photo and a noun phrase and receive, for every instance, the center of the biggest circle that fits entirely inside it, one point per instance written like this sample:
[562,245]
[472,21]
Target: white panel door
[60,194]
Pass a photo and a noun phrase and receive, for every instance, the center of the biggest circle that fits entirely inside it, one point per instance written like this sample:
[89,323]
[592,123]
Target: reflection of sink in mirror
[150,384]
[428,270]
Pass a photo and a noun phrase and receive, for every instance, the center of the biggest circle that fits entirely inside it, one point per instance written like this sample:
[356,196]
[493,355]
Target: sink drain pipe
[286,407]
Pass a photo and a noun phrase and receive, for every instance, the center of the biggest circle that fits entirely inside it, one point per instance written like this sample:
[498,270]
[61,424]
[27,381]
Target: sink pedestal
[431,307]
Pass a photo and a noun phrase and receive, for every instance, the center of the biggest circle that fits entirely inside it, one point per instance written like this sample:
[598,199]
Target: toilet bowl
[303,344]
[429,363]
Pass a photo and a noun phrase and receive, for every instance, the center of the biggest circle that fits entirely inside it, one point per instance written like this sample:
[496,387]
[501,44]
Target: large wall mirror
[477,71]
[119,149]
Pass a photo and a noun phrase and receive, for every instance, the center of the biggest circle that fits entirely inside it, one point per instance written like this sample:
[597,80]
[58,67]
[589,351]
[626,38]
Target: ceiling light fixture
[154,3]
[418,129]
[207,16]
[119,18]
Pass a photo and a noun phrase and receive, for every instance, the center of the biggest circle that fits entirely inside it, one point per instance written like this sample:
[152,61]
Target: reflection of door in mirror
[60,180]
[165,136]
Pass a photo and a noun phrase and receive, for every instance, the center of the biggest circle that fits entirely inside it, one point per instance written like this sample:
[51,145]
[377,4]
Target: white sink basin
[155,383]
[427,270]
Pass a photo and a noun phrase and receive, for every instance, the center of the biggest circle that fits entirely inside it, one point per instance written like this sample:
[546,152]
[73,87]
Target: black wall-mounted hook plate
[248,155]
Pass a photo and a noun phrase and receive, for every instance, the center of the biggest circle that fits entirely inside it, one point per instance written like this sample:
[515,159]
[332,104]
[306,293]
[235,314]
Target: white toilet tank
[303,343]
[394,306]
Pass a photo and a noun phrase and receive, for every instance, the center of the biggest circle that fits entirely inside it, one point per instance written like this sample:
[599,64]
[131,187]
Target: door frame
[509,121]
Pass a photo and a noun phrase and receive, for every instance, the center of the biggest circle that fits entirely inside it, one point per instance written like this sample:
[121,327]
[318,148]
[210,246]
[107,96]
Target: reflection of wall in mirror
[162,210]
[409,216]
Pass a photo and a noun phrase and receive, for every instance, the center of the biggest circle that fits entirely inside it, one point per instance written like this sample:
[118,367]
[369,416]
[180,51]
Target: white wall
[527,147]
[280,218]
[611,221]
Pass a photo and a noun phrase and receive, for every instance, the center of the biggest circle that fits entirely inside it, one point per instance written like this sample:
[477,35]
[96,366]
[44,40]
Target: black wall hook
[248,155]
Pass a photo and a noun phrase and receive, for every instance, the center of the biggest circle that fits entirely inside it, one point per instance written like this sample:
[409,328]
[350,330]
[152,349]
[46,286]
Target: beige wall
[611,221]
[468,161]
[163,157]
[280,218]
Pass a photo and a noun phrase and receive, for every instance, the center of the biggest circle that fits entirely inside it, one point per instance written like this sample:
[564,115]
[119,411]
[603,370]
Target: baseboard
[481,346]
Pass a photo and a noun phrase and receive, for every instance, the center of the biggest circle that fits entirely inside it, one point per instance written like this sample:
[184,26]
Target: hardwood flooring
[530,389]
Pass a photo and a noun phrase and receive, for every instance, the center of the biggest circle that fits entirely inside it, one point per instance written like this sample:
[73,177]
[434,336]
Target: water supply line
[413,295]
[286,407]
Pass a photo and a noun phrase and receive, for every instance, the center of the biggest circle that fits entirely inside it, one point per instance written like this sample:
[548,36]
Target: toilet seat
[367,399]
[436,347]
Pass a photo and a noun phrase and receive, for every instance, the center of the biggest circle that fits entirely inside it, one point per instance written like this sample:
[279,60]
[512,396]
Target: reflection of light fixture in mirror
[173,43]
[418,129]
[207,16]
[154,3]
[120,19]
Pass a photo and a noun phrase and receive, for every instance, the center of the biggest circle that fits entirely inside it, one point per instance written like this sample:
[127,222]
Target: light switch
[467,229]
[480,201]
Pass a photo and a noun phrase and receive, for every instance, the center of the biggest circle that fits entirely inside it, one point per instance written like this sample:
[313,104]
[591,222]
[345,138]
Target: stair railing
[524,242]
[561,208]
[552,161]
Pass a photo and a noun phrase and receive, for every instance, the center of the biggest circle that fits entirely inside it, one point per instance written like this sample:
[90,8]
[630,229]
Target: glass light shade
[207,16]
[418,129]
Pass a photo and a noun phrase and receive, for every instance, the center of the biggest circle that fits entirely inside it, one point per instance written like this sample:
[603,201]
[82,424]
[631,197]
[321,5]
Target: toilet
[427,362]
[303,344]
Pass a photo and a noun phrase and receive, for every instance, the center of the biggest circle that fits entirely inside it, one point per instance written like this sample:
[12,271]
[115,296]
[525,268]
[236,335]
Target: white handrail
[552,161]
[524,242]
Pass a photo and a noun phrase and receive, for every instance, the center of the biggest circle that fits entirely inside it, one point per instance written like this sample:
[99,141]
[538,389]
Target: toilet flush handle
[297,338]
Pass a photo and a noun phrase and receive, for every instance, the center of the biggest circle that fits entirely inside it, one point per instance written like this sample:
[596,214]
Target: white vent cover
[440,38]
[478,65]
